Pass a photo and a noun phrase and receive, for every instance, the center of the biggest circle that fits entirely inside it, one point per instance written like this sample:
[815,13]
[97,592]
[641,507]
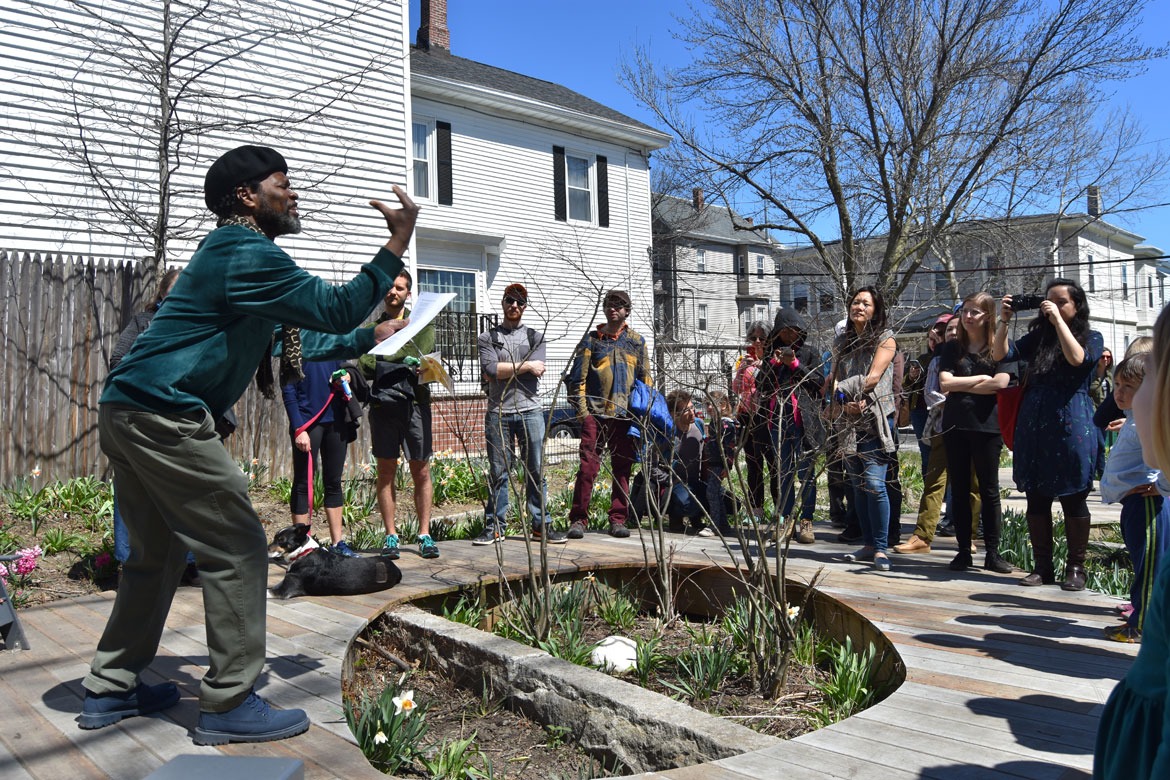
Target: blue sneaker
[427,547]
[109,708]
[343,549]
[252,721]
[390,547]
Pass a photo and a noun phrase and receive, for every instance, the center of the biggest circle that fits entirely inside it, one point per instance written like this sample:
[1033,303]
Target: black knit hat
[244,163]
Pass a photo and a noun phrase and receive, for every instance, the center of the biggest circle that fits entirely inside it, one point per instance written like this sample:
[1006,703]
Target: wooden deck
[1002,681]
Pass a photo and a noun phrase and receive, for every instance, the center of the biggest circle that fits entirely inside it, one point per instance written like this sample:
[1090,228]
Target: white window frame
[1092,285]
[591,163]
[759,266]
[701,261]
[702,317]
[1124,283]
[432,162]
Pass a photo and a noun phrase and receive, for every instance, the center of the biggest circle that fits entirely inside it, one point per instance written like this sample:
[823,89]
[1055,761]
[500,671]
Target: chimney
[1094,198]
[697,198]
[432,26]
[749,220]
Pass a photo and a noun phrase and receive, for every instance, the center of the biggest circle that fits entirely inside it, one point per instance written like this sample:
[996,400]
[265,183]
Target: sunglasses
[509,300]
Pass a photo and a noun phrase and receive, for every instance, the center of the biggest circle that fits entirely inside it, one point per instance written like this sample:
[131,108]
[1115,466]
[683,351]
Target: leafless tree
[154,84]
[869,130]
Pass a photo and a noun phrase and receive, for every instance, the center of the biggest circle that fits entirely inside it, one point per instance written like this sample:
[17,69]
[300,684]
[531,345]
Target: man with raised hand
[177,486]
[607,362]
[511,357]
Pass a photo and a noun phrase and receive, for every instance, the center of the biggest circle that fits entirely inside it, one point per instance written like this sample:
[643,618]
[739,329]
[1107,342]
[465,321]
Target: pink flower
[102,560]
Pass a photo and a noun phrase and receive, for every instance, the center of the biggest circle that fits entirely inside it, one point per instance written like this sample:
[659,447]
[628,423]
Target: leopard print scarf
[290,354]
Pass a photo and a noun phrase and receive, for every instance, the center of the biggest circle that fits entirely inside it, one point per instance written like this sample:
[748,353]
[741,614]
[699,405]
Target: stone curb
[610,718]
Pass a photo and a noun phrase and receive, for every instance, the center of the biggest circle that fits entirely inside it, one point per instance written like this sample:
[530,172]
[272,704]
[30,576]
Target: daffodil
[404,703]
[589,577]
[36,472]
[793,612]
[380,738]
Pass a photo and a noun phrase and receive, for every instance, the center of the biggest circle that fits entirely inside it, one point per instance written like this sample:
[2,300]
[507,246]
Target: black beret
[244,163]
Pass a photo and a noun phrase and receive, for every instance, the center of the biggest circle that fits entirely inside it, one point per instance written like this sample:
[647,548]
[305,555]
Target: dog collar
[303,550]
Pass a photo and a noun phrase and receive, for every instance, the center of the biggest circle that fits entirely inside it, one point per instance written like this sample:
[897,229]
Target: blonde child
[1145,515]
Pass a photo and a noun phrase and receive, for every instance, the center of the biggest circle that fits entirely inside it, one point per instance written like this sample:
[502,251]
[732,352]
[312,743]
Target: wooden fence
[60,318]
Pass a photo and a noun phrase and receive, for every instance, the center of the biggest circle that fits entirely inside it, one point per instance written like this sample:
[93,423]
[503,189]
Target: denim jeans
[685,503]
[500,431]
[796,463]
[867,474]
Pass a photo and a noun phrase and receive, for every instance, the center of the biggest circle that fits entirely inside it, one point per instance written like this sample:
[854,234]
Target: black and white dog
[315,571]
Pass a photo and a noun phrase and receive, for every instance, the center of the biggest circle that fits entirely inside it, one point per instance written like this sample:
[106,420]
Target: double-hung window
[702,316]
[422,155]
[702,262]
[430,153]
[580,187]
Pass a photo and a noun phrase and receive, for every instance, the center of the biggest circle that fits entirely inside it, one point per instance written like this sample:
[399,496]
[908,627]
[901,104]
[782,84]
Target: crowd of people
[183,509]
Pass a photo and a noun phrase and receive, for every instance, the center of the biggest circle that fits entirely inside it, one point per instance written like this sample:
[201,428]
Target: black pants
[326,446]
[978,450]
[760,452]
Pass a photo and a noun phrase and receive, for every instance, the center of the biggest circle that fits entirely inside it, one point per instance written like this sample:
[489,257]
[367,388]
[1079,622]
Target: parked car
[562,423]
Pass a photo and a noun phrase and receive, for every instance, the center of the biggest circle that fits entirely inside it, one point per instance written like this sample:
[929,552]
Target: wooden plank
[1066,746]
[810,757]
[41,748]
[939,759]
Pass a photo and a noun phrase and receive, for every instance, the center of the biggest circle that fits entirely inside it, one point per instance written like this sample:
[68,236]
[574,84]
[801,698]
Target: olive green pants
[178,489]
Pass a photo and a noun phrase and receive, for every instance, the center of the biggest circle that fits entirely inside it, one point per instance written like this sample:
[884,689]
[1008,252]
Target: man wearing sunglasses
[605,366]
[511,357]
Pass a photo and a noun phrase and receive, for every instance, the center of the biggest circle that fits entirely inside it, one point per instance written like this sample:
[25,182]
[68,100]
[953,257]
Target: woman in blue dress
[1133,740]
[1055,440]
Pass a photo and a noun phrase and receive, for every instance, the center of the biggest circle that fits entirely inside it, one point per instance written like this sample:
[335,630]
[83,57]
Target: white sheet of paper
[426,306]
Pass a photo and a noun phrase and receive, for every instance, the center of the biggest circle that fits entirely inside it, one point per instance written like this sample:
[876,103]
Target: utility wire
[988,269]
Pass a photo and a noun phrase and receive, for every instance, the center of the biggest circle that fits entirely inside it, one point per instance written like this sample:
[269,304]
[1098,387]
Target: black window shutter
[560,204]
[443,152]
[602,192]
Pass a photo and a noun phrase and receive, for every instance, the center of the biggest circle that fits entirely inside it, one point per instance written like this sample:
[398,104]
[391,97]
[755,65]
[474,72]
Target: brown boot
[1040,533]
[805,535]
[1076,530]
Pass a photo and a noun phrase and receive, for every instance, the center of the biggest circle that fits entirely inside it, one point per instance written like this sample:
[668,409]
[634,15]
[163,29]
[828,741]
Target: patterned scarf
[290,354]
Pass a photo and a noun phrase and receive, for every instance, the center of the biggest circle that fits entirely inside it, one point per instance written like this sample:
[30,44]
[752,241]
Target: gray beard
[274,224]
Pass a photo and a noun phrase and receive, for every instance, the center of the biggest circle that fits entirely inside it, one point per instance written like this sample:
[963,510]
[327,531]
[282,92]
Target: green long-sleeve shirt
[203,346]
[423,343]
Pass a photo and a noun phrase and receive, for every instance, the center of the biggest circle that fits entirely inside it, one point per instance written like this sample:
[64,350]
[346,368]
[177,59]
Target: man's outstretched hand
[400,221]
[384,330]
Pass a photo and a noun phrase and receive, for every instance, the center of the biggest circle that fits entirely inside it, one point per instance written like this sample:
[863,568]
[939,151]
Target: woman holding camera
[1055,440]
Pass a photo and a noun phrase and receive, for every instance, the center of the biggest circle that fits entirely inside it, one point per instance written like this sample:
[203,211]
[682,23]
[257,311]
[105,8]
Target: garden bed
[689,700]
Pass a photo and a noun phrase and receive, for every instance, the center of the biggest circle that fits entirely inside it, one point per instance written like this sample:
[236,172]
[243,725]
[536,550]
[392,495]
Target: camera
[1026,302]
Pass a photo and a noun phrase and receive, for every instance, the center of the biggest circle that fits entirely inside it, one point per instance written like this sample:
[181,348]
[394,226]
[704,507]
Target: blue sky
[580,46]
